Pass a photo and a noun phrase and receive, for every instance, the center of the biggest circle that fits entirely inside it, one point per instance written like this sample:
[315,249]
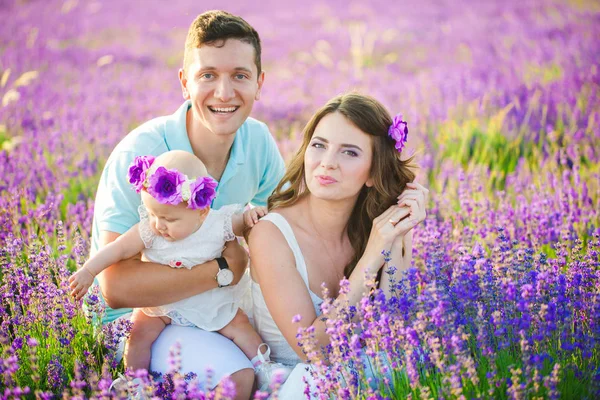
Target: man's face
[222,84]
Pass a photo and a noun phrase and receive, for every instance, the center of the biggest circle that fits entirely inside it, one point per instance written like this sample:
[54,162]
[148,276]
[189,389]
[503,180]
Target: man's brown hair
[213,28]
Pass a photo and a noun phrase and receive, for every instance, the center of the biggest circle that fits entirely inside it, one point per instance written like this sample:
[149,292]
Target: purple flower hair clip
[399,132]
[137,171]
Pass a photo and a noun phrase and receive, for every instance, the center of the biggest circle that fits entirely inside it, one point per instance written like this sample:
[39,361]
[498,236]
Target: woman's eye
[351,153]
[318,145]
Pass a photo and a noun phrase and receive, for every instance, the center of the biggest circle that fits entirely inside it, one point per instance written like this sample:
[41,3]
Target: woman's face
[338,159]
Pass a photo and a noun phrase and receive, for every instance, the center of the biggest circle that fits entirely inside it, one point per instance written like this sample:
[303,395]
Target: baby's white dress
[213,309]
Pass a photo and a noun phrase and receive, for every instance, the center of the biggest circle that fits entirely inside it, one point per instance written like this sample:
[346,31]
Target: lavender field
[503,103]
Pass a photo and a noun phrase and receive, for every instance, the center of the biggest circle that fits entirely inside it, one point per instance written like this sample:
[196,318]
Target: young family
[175,190]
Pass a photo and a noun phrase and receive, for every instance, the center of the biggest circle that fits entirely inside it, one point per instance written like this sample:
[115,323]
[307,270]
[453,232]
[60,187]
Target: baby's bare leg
[144,332]
[243,335]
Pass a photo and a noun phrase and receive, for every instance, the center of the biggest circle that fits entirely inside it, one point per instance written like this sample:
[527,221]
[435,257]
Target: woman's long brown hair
[389,173]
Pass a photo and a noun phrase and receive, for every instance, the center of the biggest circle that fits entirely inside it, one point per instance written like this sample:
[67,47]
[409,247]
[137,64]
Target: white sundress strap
[281,223]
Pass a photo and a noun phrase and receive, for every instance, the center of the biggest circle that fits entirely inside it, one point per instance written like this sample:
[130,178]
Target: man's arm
[134,283]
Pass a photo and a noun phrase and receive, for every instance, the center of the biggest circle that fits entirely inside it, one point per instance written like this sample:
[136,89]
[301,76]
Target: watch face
[225,277]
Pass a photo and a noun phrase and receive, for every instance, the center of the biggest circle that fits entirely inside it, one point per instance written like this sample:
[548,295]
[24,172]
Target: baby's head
[175,190]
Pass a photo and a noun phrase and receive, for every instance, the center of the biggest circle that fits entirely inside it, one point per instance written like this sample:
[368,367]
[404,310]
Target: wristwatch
[225,275]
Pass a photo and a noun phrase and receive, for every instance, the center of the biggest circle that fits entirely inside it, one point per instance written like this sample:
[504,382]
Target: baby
[178,228]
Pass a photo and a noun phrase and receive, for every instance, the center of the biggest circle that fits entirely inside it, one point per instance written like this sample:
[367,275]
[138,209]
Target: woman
[335,211]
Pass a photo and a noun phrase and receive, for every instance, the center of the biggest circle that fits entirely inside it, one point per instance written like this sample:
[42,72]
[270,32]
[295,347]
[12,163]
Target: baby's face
[172,222]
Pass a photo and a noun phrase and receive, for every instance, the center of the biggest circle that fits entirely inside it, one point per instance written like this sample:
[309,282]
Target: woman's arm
[134,283]
[274,269]
[414,200]
[400,260]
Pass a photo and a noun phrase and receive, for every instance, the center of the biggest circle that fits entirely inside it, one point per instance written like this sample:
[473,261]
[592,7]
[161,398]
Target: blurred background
[500,97]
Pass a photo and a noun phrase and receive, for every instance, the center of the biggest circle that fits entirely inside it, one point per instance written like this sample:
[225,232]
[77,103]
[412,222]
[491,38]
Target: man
[220,80]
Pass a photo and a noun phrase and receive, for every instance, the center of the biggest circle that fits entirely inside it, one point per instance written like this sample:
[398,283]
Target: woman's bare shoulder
[266,236]
[294,215]
[269,250]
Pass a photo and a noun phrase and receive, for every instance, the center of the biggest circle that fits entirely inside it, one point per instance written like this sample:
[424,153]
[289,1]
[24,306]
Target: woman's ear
[369,182]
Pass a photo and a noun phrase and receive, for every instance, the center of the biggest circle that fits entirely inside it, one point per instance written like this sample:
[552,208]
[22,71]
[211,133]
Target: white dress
[281,351]
[211,310]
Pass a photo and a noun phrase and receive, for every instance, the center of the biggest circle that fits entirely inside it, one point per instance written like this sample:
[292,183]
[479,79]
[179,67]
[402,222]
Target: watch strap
[222,263]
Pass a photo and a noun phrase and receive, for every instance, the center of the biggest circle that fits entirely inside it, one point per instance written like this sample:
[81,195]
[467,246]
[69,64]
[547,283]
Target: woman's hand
[393,224]
[383,233]
[415,198]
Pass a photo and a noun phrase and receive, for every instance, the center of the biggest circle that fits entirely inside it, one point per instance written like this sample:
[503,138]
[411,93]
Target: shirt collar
[177,138]
[176,135]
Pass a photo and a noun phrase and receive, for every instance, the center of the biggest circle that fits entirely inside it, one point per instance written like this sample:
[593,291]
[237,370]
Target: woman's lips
[325,180]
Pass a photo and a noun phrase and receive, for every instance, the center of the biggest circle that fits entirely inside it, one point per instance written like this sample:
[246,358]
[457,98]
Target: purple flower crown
[399,132]
[169,186]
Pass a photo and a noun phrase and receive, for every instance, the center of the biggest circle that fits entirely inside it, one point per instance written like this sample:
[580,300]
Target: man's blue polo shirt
[254,169]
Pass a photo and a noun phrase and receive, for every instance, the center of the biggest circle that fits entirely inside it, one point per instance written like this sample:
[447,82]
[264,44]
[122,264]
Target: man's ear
[183,82]
[261,80]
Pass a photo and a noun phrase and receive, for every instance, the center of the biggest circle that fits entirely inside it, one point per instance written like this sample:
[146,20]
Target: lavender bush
[503,100]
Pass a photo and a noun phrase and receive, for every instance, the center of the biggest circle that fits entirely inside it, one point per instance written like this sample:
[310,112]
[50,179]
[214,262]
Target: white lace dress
[211,310]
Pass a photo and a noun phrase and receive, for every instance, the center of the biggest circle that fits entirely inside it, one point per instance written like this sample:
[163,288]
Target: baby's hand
[252,215]
[80,282]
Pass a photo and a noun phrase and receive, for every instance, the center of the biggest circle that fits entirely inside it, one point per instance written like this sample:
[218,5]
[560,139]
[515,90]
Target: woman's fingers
[417,211]
[412,193]
[419,197]
[384,217]
[421,188]
[398,214]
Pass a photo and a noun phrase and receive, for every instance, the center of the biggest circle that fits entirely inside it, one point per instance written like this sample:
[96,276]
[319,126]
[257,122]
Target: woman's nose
[329,160]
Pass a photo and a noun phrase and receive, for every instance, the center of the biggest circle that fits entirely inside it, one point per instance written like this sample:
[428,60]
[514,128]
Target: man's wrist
[225,275]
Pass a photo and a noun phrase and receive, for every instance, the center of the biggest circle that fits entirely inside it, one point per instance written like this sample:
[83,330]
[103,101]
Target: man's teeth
[223,109]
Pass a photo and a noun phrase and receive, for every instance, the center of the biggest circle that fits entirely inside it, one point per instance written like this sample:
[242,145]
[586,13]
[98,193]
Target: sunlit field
[503,103]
